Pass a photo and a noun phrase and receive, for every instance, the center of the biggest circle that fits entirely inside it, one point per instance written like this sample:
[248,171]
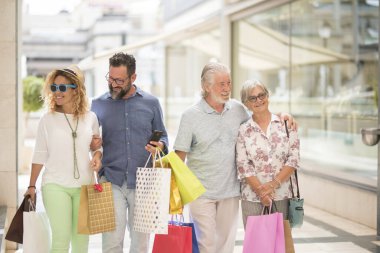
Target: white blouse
[55,148]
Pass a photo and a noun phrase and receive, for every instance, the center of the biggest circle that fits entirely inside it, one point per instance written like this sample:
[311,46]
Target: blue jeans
[124,202]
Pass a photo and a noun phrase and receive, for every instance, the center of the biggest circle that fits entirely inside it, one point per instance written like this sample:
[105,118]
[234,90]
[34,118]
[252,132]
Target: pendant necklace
[74,136]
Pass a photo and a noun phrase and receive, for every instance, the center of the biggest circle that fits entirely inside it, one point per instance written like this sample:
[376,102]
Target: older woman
[63,148]
[266,157]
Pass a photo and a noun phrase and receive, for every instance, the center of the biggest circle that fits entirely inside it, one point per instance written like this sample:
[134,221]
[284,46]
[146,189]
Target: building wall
[9,95]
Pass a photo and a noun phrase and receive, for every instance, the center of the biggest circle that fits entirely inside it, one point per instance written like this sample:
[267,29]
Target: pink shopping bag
[264,234]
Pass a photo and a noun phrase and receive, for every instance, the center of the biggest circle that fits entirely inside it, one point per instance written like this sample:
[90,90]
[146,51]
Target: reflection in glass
[321,66]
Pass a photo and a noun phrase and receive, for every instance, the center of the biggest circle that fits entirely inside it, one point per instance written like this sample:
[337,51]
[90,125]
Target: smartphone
[156,136]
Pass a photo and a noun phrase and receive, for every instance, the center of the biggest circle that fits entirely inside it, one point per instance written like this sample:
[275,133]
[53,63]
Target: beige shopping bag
[96,210]
[289,244]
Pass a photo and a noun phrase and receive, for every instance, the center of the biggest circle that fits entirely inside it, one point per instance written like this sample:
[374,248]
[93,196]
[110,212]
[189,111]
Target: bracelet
[277,181]
[31,186]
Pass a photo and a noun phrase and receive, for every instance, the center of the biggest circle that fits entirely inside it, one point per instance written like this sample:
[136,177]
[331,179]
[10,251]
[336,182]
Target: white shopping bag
[152,200]
[37,235]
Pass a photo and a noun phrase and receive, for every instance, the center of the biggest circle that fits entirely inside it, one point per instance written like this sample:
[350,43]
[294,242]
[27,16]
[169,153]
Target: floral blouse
[264,154]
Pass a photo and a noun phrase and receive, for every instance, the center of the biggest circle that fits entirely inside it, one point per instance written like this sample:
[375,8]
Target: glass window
[185,61]
[320,61]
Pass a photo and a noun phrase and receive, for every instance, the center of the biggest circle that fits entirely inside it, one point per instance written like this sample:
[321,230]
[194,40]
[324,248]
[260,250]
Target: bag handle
[269,209]
[158,150]
[295,171]
[177,221]
[32,205]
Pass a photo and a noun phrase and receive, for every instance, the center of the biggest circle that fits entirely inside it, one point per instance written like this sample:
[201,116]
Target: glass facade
[184,62]
[320,60]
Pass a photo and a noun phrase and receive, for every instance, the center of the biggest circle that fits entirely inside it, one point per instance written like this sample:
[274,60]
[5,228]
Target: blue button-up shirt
[127,125]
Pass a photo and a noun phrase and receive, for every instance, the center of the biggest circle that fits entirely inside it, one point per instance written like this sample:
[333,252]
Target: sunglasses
[61,87]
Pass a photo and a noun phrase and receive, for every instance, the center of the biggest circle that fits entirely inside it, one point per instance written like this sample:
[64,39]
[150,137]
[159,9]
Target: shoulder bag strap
[295,172]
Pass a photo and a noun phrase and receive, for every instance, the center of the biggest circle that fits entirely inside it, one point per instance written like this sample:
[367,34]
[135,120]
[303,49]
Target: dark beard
[122,92]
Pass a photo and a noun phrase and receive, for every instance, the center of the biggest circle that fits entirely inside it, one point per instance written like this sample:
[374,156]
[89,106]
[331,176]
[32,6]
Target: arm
[292,160]
[40,156]
[181,154]
[31,191]
[96,142]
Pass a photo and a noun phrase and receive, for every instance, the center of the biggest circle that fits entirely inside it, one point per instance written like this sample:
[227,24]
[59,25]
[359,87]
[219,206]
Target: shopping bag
[178,240]
[296,212]
[96,209]
[16,229]
[189,186]
[194,242]
[175,202]
[289,244]
[152,200]
[37,235]
[264,234]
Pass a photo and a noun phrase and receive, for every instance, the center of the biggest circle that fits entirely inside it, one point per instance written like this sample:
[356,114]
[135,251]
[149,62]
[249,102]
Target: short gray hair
[248,86]
[208,73]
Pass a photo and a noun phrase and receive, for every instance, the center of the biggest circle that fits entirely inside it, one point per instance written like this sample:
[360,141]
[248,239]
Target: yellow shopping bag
[190,188]
[175,204]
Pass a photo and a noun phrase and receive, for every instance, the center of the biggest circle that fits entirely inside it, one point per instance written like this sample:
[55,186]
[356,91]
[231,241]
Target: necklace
[74,136]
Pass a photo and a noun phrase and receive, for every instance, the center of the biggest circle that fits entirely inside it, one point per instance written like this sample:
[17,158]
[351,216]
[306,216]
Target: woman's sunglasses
[61,87]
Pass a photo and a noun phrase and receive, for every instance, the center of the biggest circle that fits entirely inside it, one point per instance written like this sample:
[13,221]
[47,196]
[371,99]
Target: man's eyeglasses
[110,80]
[261,96]
[61,87]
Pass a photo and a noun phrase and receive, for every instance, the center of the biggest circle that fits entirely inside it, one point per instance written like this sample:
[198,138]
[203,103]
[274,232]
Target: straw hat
[75,71]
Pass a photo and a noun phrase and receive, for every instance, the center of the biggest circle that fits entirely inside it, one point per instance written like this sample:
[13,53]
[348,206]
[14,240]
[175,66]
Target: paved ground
[321,232]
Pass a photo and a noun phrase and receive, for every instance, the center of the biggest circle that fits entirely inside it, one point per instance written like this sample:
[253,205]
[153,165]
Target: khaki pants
[215,224]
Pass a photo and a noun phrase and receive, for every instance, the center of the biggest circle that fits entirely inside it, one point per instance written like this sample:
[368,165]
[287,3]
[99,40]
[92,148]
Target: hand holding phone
[156,136]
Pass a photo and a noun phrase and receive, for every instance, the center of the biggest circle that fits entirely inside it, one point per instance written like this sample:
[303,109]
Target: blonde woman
[63,149]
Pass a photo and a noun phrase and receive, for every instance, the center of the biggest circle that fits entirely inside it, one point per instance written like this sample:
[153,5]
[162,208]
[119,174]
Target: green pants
[62,205]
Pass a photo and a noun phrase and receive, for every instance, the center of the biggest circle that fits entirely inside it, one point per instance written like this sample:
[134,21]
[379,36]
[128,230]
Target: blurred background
[319,57]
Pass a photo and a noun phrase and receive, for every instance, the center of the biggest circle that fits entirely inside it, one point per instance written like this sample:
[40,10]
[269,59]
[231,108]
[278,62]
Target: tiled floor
[321,232]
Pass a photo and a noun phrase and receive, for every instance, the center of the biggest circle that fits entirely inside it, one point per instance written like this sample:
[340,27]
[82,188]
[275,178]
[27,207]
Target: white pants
[215,224]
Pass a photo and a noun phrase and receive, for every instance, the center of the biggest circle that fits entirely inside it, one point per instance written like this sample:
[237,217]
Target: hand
[266,189]
[152,149]
[96,163]
[292,124]
[266,201]
[96,142]
[31,192]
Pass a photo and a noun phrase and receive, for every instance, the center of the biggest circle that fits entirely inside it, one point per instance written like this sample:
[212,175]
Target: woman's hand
[31,191]
[266,189]
[266,200]
[96,163]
